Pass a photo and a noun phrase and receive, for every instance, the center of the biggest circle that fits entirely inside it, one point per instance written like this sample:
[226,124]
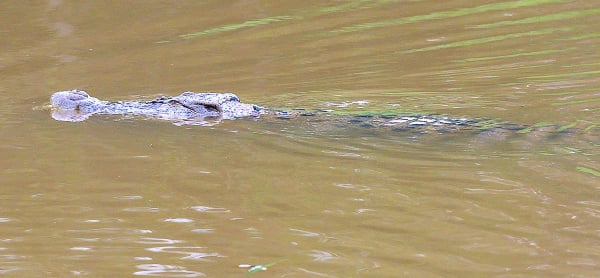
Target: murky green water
[110,197]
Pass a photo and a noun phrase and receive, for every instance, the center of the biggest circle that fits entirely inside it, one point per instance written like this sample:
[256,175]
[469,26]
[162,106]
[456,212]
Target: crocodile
[210,108]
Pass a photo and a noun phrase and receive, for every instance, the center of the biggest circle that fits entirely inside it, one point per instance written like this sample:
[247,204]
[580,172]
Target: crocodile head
[74,105]
[75,100]
[187,108]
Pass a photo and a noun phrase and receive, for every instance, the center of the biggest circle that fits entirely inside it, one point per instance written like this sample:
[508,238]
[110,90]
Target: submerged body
[211,108]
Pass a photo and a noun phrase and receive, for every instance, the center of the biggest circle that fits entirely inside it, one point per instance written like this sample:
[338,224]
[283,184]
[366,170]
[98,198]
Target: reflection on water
[116,196]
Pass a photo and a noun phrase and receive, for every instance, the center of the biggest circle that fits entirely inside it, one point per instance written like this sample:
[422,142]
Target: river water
[115,197]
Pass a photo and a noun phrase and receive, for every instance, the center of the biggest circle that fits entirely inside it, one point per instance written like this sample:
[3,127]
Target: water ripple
[151,240]
[161,270]
[322,256]
[203,231]
[189,255]
[141,209]
[208,209]
[179,220]
[305,233]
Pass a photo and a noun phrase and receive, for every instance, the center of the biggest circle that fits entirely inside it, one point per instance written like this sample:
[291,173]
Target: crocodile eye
[233,98]
[80,92]
[77,95]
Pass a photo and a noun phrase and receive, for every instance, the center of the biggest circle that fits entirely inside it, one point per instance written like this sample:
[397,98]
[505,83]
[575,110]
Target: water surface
[132,197]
